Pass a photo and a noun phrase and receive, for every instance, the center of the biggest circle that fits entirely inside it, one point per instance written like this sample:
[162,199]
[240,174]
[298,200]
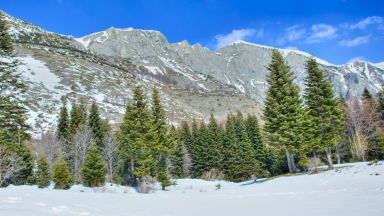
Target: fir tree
[63,122]
[261,150]
[97,126]
[366,94]
[93,168]
[135,141]
[60,173]
[42,174]
[161,145]
[231,163]
[246,152]
[5,39]
[177,153]
[12,108]
[323,108]
[215,143]
[78,118]
[282,110]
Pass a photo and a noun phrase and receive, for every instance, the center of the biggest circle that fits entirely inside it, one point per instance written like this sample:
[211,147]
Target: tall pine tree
[135,141]
[282,110]
[323,109]
[97,126]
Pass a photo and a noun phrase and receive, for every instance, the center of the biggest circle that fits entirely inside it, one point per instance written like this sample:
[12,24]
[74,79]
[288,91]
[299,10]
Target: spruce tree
[63,122]
[97,126]
[215,143]
[261,150]
[201,159]
[246,152]
[78,117]
[323,109]
[42,174]
[282,110]
[60,173]
[135,140]
[93,168]
[231,165]
[5,39]
[161,146]
[12,108]
[177,153]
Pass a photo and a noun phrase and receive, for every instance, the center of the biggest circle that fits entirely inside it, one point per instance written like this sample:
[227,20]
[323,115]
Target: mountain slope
[194,81]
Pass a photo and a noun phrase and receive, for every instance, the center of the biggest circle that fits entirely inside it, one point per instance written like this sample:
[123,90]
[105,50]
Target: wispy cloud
[355,41]
[362,24]
[236,34]
[294,33]
[321,32]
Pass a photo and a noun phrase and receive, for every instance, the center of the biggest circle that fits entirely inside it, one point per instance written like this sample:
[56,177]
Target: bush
[213,174]
[146,184]
[42,174]
[61,175]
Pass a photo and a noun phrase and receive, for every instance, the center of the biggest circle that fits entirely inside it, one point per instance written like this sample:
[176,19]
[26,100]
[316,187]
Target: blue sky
[337,31]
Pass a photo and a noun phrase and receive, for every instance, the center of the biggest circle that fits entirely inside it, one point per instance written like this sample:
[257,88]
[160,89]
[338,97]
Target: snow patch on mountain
[37,72]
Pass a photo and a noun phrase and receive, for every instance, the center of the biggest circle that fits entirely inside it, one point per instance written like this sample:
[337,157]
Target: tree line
[296,132]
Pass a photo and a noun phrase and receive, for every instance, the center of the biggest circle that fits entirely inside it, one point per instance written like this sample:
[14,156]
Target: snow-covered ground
[354,189]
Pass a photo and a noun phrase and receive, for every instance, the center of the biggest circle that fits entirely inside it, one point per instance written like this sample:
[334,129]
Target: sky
[338,31]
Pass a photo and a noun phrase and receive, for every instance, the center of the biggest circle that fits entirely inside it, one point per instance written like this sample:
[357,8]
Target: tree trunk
[291,162]
[338,154]
[315,161]
[328,152]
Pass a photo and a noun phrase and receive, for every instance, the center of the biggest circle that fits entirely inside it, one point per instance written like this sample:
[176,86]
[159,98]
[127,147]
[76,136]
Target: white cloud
[362,24]
[321,32]
[294,33]
[355,41]
[236,34]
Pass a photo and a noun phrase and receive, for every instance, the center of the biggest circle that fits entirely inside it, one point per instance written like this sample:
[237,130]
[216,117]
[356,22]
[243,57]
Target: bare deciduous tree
[80,143]
[110,154]
[48,144]
[10,164]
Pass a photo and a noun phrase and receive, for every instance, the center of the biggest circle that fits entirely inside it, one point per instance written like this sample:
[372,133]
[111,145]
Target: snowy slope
[357,189]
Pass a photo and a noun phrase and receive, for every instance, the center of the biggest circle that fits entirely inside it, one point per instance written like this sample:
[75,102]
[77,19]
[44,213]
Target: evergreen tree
[78,117]
[161,145]
[323,109]
[135,141]
[246,152]
[215,143]
[12,107]
[13,143]
[231,165]
[42,174]
[201,159]
[367,94]
[60,173]
[97,126]
[63,122]
[380,104]
[93,168]
[5,39]
[282,110]
[177,153]
[261,150]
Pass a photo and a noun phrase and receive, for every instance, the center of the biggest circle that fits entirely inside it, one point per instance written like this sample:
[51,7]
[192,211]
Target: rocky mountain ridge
[193,80]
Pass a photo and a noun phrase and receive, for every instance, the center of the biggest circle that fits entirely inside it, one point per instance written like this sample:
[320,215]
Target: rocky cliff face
[193,80]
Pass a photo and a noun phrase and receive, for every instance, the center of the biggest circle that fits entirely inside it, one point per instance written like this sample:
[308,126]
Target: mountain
[193,80]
